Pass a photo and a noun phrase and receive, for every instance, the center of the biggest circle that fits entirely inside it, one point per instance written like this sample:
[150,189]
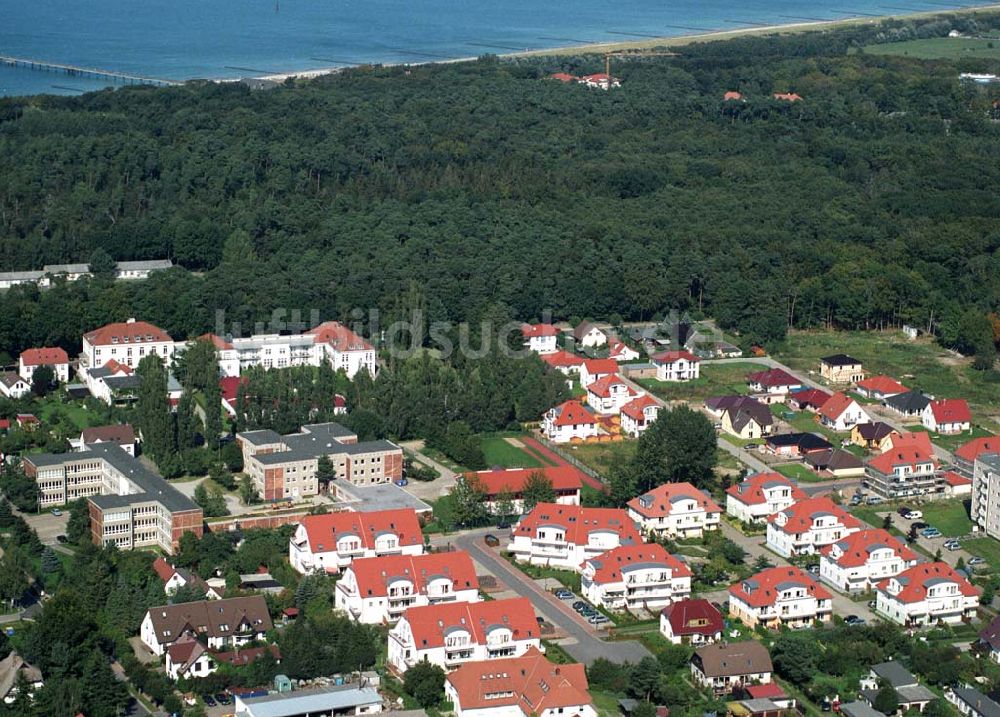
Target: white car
[914,515]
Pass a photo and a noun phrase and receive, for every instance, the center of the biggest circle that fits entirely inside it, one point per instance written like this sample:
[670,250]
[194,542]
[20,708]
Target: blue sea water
[183,39]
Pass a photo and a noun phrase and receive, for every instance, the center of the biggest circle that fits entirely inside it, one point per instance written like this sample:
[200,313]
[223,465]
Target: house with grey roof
[910,692]
[970,702]
[908,405]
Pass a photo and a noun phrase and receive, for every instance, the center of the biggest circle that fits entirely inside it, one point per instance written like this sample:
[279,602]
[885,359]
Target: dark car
[854,620]
[62,539]
[579,605]
[223,699]
[903,510]
[491,540]
[918,526]
[209,701]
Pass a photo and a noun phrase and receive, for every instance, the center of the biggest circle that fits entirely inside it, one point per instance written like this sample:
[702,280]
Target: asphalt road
[583,642]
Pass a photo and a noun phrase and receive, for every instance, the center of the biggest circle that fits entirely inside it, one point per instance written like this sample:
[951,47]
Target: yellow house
[841,368]
[872,436]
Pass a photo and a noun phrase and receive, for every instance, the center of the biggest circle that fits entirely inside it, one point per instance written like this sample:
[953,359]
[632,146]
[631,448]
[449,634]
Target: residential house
[956,485]
[638,414]
[127,343]
[795,445]
[589,336]
[10,279]
[375,591]
[174,579]
[221,623]
[132,270]
[880,387]
[872,436]
[808,399]
[675,510]
[861,560]
[452,634]
[565,479]
[970,702]
[784,596]
[540,338]
[676,366]
[692,621]
[188,659]
[835,463]
[773,693]
[12,669]
[842,413]
[600,80]
[594,369]
[54,358]
[564,362]
[566,536]
[902,472]
[620,352]
[908,405]
[968,453]
[911,694]
[569,421]
[635,577]
[989,638]
[985,503]
[841,368]
[761,495]
[742,416]
[775,381]
[13,386]
[527,686]
[121,435]
[920,440]
[607,395]
[808,526]
[724,667]
[926,594]
[947,416]
[329,542]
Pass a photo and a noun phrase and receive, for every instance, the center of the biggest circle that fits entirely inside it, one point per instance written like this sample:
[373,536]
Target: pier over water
[76,70]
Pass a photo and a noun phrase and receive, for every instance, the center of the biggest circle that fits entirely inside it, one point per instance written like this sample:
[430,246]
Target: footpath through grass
[499,452]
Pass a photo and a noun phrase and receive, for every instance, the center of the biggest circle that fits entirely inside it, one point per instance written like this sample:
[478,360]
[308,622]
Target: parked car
[872,604]
[904,510]
[563,594]
[931,533]
[854,620]
[976,560]
[491,540]
[873,500]
[579,605]
[539,619]
[402,482]
[598,620]
[56,512]
[223,699]
[856,500]
[952,545]
[814,568]
[920,526]
[914,515]
[209,701]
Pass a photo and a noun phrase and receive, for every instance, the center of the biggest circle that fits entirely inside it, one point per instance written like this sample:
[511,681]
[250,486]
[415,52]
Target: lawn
[717,379]
[499,452]
[951,442]
[985,548]
[938,48]
[75,411]
[601,456]
[919,364]
[606,703]
[798,472]
[553,577]
[948,516]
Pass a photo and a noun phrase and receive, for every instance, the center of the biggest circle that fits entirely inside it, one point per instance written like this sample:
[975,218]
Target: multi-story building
[54,358]
[691,622]
[130,506]
[904,471]
[863,559]
[127,343]
[565,536]
[985,507]
[566,481]
[676,366]
[723,667]
[967,454]
[607,395]
[329,542]
[330,342]
[221,623]
[569,421]
[638,414]
[540,338]
[782,596]
[594,369]
[841,368]
[809,525]
[452,634]
[925,595]
[840,412]
[742,416]
[761,495]
[283,467]
[675,510]
[379,590]
[947,416]
[635,577]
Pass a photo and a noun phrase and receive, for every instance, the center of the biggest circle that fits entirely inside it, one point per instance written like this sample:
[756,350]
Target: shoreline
[599,48]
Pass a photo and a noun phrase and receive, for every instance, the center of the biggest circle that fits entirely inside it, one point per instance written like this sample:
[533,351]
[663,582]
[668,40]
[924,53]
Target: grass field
[74,411]
[948,516]
[798,472]
[601,456]
[498,452]
[716,380]
[984,548]
[919,364]
[939,48]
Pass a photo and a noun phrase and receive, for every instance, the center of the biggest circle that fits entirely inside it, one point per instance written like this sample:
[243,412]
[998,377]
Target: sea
[215,39]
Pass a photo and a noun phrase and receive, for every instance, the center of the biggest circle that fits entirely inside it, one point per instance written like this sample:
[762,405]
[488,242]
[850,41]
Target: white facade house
[781,596]
[328,543]
[691,622]
[451,634]
[675,510]
[809,525]
[607,395]
[722,667]
[540,338]
[840,412]
[863,559]
[677,366]
[54,358]
[621,352]
[761,495]
[126,343]
[638,414]
[13,386]
[593,369]
[589,336]
[231,622]
[569,421]
[925,595]
[635,577]
[188,659]
[947,416]
[565,536]
[379,590]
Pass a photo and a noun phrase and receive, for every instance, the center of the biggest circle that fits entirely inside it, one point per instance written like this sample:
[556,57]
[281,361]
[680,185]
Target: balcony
[498,652]
[453,658]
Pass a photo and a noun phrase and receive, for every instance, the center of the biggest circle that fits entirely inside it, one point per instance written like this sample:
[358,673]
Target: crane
[632,53]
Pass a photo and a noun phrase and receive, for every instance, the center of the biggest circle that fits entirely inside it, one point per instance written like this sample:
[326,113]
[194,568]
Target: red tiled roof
[532,330]
[494,482]
[578,522]
[907,455]
[920,440]
[596,77]
[811,396]
[800,515]
[751,490]
[954,479]
[602,386]
[684,617]
[216,341]
[324,530]
[788,96]
[731,95]
[616,347]
[561,358]
[182,651]
[951,410]
[915,581]
[163,569]
[978,446]
[857,547]
[114,367]
[608,566]
[135,332]
[762,589]
[773,377]
[767,691]
[562,77]
[531,683]
[601,366]
[635,407]
[672,356]
[23,418]
[886,385]
[834,407]
[373,575]
[429,623]
[339,337]
[572,413]
[44,357]
[230,386]
[664,496]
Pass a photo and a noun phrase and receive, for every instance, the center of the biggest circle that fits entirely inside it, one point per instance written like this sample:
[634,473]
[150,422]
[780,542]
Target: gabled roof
[840,360]
[636,407]
[767,691]
[833,459]
[811,397]
[571,413]
[602,386]
[722,403]
[123,435]
[906,455]
[751,490]
[874,431]
[787,96]
[659,502]
[855,550]
[583,329]
[915,582]
[562,358]
[835,406]
[747,412]
[578,522]
[978,446]
[494,482]
[429,624]
[920,440]
[126,332]
[324,531]
[951,410]
[11,379]
[732,95]
[617,348]
[610,566]
[562,77]
[894,673]
[885,385]
[799,517]
[600,366]
[805,442]
[529,331]
[216,341]
[673,356]
[163,569]
[214,618]
[734,658]
[229,387]
[764,588]
[991,633]
[686,616]
[44,357]
[908,402]
[373,575]
[773,377]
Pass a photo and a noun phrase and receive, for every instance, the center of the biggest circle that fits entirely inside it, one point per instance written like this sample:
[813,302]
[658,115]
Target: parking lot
[47,525]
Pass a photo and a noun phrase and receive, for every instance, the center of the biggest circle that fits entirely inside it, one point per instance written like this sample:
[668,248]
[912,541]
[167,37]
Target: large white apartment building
[863,559]
[675,510]
[809,525]
[781,596]
[126,343]
[985,510]
[635,577]
[564,536]
[926,594]
[329,542]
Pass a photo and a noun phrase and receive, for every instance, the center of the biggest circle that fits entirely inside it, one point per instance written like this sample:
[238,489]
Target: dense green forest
[870,203]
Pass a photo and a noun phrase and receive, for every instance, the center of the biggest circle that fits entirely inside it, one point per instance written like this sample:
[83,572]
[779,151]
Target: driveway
[428,490]
[582,643]
[47,526]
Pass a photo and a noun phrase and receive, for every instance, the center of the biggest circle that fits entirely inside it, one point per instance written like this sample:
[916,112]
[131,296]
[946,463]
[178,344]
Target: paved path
[428,490]
[583,642]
